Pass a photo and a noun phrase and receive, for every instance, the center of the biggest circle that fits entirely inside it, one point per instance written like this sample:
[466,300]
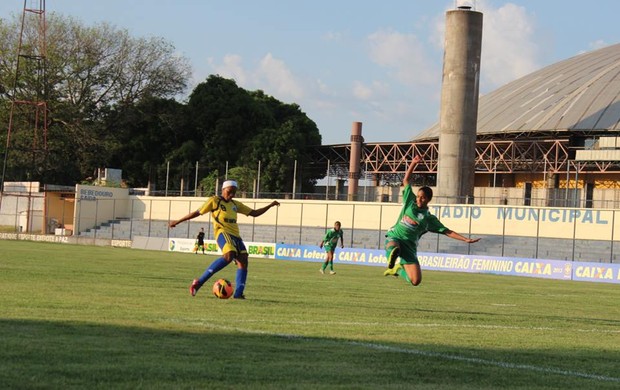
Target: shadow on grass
[63,355]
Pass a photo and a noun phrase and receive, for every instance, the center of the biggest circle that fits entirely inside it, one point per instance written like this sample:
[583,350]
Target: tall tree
[145,135]
[227,117]
[242,128]
[89,70]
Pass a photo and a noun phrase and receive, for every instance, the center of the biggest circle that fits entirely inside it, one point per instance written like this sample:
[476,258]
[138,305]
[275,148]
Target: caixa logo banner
[535,268]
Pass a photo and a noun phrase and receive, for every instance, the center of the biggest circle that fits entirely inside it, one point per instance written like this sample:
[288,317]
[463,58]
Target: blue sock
[242,275]
[217,265]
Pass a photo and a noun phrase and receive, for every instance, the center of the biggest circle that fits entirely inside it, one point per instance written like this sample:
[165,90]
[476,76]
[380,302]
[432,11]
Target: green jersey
[413,221]
[330,241]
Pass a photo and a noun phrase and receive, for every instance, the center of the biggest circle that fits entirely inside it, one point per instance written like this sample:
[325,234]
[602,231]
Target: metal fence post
[613,222]
[96,217]
[352,225]
[113,218]
[380,221]
[253,223]
[503,230]
[469,245]
[537,233]
[301,221]
[169,216]
[150,214]
[275,238]
[131,220]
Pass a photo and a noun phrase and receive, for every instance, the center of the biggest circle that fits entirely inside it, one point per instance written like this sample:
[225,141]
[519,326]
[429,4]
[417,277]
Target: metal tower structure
[27,127]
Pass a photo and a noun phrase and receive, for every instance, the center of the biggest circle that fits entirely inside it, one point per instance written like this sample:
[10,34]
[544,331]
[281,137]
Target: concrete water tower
[458,116]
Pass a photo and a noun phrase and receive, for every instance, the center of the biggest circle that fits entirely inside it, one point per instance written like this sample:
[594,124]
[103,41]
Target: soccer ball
[222,289]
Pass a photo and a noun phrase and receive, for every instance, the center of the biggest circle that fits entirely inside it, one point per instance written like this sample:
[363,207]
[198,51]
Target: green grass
[100,317]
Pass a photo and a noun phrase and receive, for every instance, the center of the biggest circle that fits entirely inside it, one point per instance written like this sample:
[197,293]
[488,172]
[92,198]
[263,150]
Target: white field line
[431,325]
[416,352]
[525,367]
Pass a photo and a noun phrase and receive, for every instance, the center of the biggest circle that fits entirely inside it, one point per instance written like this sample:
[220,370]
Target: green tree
[89,71]
[149,134]
[242,128]
[226,117]
[207,184]
[245,178]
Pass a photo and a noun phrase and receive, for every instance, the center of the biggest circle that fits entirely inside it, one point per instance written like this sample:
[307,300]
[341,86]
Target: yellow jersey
[224,214]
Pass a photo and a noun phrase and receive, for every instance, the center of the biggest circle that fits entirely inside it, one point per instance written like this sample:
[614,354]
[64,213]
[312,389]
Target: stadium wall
[524,221]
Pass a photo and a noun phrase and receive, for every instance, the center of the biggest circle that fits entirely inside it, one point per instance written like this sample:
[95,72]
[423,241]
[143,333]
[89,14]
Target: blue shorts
[230,243]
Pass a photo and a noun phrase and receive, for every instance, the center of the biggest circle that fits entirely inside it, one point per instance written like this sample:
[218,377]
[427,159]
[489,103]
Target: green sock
[403,274]
[331,265]
[388,251]
[324,266]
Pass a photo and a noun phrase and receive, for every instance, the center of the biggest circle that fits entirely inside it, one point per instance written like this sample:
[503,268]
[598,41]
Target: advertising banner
[187,245]
[596,272]
[535,268]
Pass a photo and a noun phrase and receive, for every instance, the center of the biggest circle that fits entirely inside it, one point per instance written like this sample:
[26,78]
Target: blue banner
[596,272]
[536,268]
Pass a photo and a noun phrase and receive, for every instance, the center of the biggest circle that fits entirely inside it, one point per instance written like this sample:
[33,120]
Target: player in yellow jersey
[224,211]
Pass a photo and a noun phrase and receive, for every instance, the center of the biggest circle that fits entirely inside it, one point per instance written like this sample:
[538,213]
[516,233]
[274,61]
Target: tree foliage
[110,103]
[88,72]
[243,128]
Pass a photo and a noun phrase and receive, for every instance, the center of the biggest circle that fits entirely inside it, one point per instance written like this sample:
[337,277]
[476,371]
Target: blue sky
[376,62]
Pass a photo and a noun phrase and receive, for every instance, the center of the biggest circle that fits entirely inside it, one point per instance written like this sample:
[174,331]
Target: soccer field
[110,318]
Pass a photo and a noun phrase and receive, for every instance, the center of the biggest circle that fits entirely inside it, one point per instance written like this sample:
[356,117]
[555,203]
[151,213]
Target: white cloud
[231,68]
[403,53]
[275,78]
[333,36]
[509,46]
[271,75]
[598,44]
[323,88]
[376,90]
[361,91]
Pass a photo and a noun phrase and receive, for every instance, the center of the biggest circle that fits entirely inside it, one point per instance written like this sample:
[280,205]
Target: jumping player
[414,220]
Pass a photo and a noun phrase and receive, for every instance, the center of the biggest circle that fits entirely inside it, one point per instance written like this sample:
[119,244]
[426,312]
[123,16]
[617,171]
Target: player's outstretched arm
[456,236]
[263,210]
[189,216]
[414,162]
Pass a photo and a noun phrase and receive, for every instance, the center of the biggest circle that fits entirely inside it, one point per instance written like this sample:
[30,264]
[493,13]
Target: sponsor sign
[535,268]
[596,272]
[255,249]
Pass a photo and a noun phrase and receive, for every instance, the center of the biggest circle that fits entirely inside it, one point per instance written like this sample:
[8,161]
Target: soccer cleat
[392,271]
[321,270]
[393,256]
[332,272]
[240,297]
[193,288]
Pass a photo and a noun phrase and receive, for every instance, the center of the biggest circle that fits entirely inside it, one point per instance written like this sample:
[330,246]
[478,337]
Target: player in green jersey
[414,220]
[330,241]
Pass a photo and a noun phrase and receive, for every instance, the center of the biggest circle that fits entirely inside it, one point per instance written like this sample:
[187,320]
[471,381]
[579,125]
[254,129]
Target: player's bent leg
[215,267]
[392,251]
[241,276]
[414,272]
[193,288]
[393,271]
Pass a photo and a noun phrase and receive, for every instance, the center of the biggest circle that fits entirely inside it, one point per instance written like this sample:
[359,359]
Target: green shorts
[329,247]
[408,250]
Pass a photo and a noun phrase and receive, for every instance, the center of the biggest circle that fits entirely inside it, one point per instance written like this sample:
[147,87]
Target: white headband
[229,183]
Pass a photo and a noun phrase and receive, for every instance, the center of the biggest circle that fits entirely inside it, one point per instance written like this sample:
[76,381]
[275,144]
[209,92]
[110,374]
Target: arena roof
[577,95]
